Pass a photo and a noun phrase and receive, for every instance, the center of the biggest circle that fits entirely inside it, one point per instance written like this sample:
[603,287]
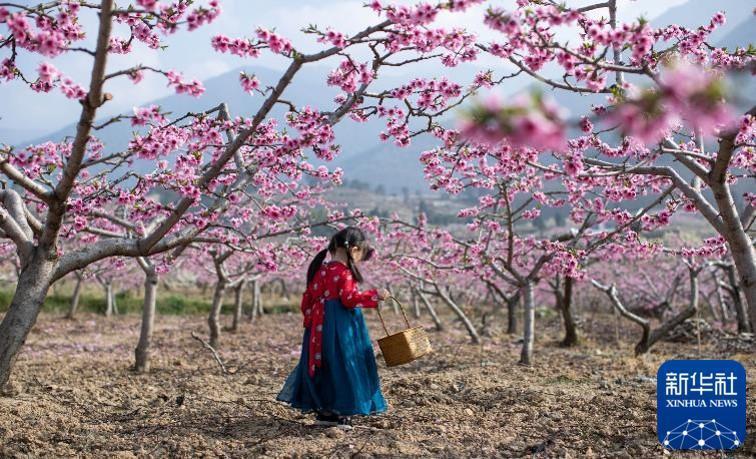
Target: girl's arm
[352,298]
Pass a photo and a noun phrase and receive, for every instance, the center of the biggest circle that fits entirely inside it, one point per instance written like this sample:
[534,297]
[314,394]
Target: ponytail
[315,264]
[353,267]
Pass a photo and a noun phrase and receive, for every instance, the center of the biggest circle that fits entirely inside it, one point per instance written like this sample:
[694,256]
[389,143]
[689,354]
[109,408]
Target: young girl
[336,375]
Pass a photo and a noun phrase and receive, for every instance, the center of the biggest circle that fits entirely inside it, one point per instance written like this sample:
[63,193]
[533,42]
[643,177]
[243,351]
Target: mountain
[363,156]
[17,136]
[742,35]
[696,12]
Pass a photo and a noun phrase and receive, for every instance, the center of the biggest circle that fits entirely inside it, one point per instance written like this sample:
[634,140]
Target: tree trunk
[415,303]
[253,288]
[394,304]
[284,290]
[740,246]
[76,297]
[142,351]
[741,313]
[238,305]
[526,355]
[460,314]
[258,298]
[649,338]
[724,313]
[742,254]
[681,317]
[31,290]
[621,311]
[512,313]
[257,309]
[511,301]
[213,319]
[570,330]
[108,299]
[431,310]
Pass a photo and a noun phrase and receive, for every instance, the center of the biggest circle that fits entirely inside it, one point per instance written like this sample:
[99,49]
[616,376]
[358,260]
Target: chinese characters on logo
[720,383]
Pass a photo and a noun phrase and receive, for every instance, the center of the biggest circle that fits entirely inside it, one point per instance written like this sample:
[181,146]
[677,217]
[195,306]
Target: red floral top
[332,281]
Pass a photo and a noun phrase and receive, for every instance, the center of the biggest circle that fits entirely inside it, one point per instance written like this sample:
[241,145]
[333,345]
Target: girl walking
[336,376]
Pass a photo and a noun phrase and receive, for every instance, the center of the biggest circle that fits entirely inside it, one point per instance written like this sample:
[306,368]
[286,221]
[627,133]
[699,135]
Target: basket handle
[380,316]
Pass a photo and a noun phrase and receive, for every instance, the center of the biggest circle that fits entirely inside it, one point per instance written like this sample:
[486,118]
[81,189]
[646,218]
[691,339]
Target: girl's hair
[349,237]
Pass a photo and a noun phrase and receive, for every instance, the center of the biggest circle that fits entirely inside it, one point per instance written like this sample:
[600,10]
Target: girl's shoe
[344,423]
[326,420]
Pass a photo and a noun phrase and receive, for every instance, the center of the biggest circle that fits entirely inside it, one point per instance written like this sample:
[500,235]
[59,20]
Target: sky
[190,53]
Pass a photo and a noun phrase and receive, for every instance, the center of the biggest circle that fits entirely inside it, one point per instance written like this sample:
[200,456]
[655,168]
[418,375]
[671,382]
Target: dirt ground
[73,394]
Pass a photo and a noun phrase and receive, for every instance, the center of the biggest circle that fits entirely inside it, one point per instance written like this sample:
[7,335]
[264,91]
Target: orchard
[583,212]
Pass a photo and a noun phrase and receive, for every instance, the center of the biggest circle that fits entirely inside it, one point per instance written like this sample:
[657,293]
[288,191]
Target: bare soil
[73,394]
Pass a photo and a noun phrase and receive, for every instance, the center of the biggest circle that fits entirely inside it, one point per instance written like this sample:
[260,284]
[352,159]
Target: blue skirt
[347,382]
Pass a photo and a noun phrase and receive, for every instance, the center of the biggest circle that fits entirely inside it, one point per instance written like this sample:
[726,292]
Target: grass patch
[127,303]
[546,313]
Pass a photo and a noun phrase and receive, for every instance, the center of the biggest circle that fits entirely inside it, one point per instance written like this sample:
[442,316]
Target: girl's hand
[383,294]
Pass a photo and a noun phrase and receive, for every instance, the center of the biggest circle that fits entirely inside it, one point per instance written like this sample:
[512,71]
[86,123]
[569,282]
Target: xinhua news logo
[701,404]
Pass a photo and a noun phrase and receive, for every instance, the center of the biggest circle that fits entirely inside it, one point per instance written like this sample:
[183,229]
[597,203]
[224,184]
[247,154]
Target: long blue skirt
[347,383]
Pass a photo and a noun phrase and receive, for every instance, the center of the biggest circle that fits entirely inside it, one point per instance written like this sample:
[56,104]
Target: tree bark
[649,337]
[570,330]
[528,332]
[741,313]
[142,351]
[284,289]
[257,309]
[31,290]
[258,298]
[394,304]
[213,319]
[253,310]
[431,309]
[460,314]
[238,305]
[512,302]
[108,299]
[415,303]
[724,313]
[681,317]
[74,306]
[740,244]
[611,292]
[115,301]
[512,313]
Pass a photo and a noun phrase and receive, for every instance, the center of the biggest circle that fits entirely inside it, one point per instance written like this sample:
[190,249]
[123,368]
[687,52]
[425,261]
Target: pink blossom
[146,114]
[276,43]
[335,38]
[149,5]
[530,122]
[193,88]
[249,83]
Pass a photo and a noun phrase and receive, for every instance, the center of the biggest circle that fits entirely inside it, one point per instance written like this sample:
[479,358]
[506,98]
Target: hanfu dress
[337,372]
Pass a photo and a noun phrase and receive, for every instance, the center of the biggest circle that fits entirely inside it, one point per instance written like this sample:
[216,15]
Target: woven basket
[405,346]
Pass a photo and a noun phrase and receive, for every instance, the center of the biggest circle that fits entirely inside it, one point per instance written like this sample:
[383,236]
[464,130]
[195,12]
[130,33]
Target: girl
[336,375]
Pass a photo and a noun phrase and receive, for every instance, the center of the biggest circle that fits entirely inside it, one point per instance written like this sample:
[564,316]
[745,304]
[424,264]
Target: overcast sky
[190,53]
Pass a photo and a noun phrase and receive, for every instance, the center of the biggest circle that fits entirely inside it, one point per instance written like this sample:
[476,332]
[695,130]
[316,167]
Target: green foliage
[5,298]
[167,304]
